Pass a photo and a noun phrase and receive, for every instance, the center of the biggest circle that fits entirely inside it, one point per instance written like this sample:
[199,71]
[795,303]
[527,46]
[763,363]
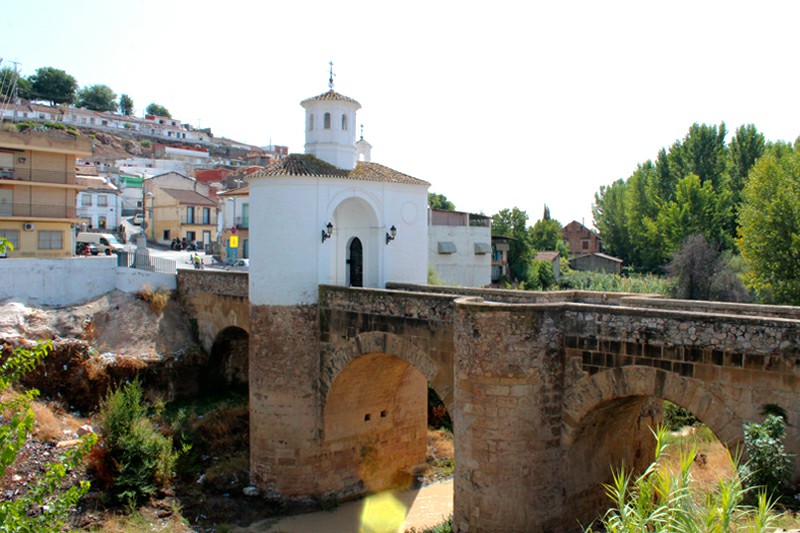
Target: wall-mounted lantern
[327,232]
[390,236]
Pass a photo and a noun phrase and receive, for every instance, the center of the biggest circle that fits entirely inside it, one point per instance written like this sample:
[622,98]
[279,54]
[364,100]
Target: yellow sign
[234,241]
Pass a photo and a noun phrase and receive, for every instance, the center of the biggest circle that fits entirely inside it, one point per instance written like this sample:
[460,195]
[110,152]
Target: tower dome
[330,128]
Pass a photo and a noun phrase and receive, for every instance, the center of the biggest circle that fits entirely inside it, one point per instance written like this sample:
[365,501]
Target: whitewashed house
[460,247]
[99,204]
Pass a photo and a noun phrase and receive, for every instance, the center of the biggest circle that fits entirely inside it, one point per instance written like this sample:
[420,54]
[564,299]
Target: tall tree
[546,234]
[513,223]
[746,147]
[98,98]
[126,105]
[769,220]
[159,110]
[611,219]
[53,85]
[440,201]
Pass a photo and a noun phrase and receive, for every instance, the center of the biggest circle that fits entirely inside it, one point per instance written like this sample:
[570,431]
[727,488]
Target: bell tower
[331,127]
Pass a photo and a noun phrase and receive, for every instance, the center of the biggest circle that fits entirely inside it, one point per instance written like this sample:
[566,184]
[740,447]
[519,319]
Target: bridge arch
[607,424]
[228,360]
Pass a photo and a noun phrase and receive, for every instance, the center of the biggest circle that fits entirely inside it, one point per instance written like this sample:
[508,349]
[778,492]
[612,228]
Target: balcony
[241,222]
[37,210]
[37,176]
[196,221]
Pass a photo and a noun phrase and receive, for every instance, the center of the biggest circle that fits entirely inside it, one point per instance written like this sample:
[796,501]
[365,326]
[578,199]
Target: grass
[156,299]
[440,455]
[597,281]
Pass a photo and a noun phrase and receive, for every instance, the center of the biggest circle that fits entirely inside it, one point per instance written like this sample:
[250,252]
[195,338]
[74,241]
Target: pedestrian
[197,262]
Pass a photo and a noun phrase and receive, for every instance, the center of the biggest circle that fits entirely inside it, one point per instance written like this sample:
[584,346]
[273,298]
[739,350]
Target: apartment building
[38,191]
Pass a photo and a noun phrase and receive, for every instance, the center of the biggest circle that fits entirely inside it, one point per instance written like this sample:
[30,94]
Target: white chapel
[331,216]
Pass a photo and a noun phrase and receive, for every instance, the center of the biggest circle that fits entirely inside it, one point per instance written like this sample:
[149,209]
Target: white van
[105,242]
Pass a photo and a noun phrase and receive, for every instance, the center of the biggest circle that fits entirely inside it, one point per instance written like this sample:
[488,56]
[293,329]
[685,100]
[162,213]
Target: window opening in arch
[327,122]
[310,122]
[344,122]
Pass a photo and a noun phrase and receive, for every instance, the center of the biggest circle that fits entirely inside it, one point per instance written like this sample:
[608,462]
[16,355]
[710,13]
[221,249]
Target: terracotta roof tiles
[331,96]
[308,165]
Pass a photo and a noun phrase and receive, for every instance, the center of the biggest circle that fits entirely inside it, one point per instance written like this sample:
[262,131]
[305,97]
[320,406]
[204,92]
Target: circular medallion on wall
[409,213]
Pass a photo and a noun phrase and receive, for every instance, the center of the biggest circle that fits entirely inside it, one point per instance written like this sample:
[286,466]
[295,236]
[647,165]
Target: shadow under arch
[608,419]
[227,362]
[389,344]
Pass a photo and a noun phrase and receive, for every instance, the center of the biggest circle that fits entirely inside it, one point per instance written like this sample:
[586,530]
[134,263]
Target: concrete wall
[62,282]
[464,267]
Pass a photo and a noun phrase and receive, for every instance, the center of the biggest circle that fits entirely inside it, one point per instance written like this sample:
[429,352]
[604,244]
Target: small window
[167,236]
[585,245]
[446,247]
[51,240]
[327,121]
[206,215]
[102,201]
[310,122]
[344,122]
[86,200]
[190,215]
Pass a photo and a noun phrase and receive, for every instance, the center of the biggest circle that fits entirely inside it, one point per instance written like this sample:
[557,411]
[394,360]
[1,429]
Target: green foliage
[676,417]
[5,245]
[53,85]
[45,505]
[598,281]
[440,201]
[10,82]
[32,124]
[145,143]
[769,220]
[513,223]
[769,465]
[433,276]
[98,98]
[126,105]
[547,235]
[140,458]
[540,276]
[666,501]
[701,271]
[156,109]
[444,527]
[692,187]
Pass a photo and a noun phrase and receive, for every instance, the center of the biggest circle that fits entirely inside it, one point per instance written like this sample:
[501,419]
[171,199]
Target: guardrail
[146,262]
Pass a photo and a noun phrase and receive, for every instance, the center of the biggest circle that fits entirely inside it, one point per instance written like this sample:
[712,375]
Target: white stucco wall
[288,259]
[60,282]
[464,267]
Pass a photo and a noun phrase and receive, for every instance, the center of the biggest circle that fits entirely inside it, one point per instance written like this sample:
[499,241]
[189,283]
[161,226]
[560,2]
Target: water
[387,512]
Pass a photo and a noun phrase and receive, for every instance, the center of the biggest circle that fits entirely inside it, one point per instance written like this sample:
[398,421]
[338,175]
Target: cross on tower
[330,80]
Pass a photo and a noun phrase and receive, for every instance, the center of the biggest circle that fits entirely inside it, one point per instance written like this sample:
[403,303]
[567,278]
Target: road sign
[234,241]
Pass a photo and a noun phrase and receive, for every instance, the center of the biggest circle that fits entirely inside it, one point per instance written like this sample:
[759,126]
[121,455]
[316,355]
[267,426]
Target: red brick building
[581,240]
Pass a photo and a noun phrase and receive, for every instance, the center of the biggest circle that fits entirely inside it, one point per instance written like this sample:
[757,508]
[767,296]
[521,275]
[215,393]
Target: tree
[440,201]
[611,219]
[702,271]
[769,221]
[44,506]
[11,84]
[546,234]
[513,223]
[746,147]
[53,85]
[126,105]
[159,110]
[98,98]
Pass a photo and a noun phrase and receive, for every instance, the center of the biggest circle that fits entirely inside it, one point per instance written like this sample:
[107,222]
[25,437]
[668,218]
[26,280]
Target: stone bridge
[548,391]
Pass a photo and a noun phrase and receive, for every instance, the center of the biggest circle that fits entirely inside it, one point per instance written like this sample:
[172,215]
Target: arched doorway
[355,263]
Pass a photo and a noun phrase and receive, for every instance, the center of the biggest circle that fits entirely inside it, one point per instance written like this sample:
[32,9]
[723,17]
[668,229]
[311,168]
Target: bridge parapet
[219,282]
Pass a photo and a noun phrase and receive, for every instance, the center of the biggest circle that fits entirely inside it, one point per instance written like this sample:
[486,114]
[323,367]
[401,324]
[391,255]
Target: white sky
[496,104]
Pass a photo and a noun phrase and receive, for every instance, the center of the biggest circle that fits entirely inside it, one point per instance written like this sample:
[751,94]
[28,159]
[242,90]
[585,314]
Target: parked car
[239,264]
[105,242]
[138,218]
[86,248]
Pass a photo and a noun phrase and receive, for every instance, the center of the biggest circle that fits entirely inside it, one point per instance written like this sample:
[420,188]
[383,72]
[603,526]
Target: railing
[241,222]
[37,210]
[146,262]
[195,221]
[37,175]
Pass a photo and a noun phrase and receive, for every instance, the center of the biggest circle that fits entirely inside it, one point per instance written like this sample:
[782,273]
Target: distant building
[459,247]
[235,216]
[581,240]
[500,268]
[596,262]
[38,191]
[99,205]
[554,259]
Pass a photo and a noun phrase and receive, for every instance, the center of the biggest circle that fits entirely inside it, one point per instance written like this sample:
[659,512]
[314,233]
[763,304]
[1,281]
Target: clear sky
[496,104]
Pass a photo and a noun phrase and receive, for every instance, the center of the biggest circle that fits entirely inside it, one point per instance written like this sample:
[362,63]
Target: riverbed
[386,512]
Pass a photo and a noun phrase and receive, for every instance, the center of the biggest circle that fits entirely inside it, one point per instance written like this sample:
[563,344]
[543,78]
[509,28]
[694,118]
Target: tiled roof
[241,191]
[308,165]
[96,183]
[546,256]
[189,197]
[331,96]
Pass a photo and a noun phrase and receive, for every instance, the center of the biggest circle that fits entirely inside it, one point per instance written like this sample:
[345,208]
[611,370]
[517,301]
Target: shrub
[44,506]
[676,417]
[146,143]
[769,465]
[156,299]
[139,458]
[665,501]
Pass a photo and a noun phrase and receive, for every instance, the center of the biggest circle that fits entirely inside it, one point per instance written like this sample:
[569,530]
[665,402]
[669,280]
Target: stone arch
[591,392]
[355,216]
[378,342]
[228,360]
[374,413]
[607,422]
